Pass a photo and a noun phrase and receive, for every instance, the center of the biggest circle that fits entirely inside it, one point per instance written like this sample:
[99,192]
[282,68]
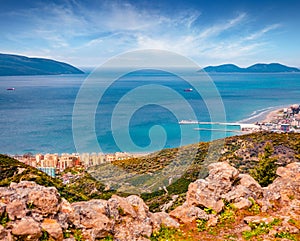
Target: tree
[265,171]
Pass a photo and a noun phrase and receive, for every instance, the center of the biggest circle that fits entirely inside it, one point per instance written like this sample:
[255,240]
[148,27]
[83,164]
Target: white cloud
[84,35]
[262,32]
[219,28]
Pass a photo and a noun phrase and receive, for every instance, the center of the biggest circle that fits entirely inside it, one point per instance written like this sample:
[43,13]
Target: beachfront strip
[55,163]
[282,120]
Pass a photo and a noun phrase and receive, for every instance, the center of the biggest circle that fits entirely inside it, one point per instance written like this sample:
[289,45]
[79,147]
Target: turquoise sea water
[37,115]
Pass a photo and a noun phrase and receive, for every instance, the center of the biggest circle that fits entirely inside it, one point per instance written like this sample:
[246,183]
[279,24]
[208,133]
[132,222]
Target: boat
[188,122]
[188,90]
[10,89]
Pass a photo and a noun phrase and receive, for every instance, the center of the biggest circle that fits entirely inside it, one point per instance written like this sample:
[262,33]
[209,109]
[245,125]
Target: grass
[201,225]
[168,234]
[4,219]
[254,208]
[286,235]
[258,229]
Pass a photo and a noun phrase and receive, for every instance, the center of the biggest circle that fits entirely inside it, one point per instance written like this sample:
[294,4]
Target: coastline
[270,117]
[263,115]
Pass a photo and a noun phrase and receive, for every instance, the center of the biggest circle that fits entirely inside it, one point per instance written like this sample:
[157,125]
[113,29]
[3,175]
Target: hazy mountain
[256,68]
[21,65]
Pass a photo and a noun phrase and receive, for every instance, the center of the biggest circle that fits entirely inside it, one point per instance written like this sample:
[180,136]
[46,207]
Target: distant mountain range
[256,68]
[21,65]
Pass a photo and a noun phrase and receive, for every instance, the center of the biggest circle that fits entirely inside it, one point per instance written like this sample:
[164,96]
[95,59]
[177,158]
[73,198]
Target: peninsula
[11,65]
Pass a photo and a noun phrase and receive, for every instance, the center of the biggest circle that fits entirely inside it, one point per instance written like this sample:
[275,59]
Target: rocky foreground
[29,211]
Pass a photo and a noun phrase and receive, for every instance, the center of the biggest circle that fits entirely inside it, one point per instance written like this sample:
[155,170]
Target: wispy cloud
[262,32]
[219,28]
[94,33]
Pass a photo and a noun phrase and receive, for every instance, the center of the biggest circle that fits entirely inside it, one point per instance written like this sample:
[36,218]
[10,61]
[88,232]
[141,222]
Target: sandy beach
[272,116]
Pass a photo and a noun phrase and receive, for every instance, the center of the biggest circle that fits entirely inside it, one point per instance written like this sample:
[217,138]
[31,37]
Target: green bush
[165,234]
[265,172]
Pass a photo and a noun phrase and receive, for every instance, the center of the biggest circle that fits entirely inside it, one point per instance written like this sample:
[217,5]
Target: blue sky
[86,33]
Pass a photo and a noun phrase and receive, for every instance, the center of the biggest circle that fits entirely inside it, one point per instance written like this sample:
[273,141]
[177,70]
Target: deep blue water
[37,115]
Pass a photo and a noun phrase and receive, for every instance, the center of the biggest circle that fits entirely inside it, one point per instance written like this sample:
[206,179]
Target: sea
[138,112]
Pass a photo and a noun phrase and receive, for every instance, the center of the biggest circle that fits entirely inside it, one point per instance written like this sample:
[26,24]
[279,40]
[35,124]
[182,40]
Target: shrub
[201,225]
[265,171]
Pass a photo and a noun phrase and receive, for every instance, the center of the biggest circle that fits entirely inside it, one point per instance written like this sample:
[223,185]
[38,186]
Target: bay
[37,116]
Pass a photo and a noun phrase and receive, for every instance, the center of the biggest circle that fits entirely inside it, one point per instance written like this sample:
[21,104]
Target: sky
[87,33]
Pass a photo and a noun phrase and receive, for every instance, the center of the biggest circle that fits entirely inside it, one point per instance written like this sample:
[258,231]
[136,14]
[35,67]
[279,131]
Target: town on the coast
[52,164]
[281,121]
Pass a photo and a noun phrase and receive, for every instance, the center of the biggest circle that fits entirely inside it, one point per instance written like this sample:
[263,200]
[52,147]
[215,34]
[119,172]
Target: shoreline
[272,115]
[263,115]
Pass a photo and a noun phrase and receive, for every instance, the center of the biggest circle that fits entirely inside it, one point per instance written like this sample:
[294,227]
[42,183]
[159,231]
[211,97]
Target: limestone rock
[122,207]
[243,203]
[16,209]
[188,213]
[284,189]
[5,234]
[139,205]
[212,221]
[162,218]
[45,201]
[208,193]
[92,215]
[132,230]
[2,208]
[66,214]
[258,219]
[52,227]
[28,228]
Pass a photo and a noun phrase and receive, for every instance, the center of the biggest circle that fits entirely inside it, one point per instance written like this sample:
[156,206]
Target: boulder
[16,209]
[27,228]
[52,227]
[242,204]
[119,206]
[44,201]
[162,218]
[66,214]
[2,208]
[209,192]
[188,213]
[132,230]
[258,219]
[213,220]
[285,189]
[5,234]
[92,215]
[204,194]
[139,206]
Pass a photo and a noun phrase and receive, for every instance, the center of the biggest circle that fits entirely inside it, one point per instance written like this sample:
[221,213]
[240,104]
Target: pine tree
[265,171]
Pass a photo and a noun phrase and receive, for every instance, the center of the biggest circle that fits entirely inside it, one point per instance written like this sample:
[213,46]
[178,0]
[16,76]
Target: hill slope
[242,152]
[21,65]
[256,68]
[83,188]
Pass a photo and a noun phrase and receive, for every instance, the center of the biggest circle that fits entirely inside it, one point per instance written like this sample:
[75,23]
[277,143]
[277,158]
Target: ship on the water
[10,89]
[188,122]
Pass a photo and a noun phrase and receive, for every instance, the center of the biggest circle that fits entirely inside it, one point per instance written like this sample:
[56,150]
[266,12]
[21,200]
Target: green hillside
[243,152]
[22,65]
[83,188]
